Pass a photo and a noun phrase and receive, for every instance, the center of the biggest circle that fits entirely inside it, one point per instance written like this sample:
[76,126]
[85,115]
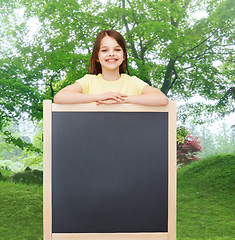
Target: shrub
[1,176]
[187,148]
[28,177]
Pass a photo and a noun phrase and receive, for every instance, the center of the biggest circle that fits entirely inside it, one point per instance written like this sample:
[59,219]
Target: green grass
[20,211]
[205,204]
[206,199]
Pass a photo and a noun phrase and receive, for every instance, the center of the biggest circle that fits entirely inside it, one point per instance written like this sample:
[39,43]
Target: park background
[183,47]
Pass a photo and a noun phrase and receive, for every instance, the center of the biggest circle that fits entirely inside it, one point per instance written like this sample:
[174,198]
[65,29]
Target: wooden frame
[48,108]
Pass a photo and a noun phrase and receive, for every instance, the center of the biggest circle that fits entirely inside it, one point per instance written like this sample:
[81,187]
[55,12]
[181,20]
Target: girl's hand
[116,96]
[108,101]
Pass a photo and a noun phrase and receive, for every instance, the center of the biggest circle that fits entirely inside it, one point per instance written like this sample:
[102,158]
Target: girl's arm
[73,94]
[150,96]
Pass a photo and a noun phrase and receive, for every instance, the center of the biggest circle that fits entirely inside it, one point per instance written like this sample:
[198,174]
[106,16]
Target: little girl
[108,82]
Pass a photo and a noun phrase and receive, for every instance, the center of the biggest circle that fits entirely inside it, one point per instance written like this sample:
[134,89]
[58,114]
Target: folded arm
[73,94]
[150,96]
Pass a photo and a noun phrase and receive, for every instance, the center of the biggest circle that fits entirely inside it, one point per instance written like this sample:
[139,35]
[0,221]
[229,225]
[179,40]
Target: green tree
[184,48]
[30,157]
[9,151]
[168,48]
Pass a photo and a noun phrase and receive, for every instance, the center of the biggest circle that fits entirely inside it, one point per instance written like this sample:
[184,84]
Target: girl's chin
[111,63]
[111,67]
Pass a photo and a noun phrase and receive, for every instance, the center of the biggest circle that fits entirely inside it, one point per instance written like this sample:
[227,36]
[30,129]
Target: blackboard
[109,172]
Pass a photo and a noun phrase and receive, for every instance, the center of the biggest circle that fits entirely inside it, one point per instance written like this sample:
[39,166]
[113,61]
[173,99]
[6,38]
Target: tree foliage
[46,45]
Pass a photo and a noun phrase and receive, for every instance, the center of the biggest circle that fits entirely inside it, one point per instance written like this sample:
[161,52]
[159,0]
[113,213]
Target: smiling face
[110,54]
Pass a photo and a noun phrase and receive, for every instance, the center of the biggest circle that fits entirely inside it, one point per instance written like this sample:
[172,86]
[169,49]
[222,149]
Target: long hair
[94,65]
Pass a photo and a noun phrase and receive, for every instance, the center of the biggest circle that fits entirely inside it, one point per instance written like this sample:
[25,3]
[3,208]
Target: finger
[102,102]
[110,101]
[123,95]
[115,102]
[120,95]
[118,99]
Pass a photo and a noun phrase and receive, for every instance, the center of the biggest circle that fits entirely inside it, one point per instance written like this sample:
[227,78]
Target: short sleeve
[138,85]
[84,81]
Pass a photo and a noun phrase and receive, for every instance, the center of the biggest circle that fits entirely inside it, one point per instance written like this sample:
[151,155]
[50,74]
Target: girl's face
[110,55]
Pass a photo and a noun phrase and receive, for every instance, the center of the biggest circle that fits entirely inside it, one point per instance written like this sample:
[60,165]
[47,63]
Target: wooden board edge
[92,107]
[109,236]
[172,171]
[47,200]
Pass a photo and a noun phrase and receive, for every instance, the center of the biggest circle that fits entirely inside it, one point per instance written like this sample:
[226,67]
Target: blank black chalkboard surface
[109,171]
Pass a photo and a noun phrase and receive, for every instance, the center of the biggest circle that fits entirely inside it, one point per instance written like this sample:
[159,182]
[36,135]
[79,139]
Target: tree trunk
[168,76]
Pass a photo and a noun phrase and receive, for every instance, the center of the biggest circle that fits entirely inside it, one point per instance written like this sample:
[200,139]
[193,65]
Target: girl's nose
[111,53]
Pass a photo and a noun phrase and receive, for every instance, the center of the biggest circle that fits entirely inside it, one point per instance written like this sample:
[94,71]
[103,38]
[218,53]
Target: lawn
[206,199]
[21,211]
[205,203]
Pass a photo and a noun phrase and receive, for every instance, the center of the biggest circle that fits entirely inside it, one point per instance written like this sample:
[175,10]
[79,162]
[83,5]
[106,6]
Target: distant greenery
[216,140]
[205,203]
[10,151]
[220,141]
[16,156]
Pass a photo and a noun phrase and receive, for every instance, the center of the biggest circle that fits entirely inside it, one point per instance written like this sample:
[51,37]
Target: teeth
[111,60]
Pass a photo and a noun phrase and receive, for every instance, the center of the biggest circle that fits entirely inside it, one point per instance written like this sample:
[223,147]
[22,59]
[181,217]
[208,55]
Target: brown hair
[94,66]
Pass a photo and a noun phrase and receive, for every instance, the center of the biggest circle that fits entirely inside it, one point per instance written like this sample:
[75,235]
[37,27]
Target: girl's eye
[105,50]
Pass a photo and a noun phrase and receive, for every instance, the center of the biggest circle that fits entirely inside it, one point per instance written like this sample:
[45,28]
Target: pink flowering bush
[187,149]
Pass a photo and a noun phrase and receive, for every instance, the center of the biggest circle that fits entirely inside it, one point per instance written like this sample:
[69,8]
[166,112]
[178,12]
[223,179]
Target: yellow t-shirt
[95,84]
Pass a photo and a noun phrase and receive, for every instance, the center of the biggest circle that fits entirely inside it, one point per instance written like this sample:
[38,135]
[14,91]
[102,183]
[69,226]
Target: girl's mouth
[111,60]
